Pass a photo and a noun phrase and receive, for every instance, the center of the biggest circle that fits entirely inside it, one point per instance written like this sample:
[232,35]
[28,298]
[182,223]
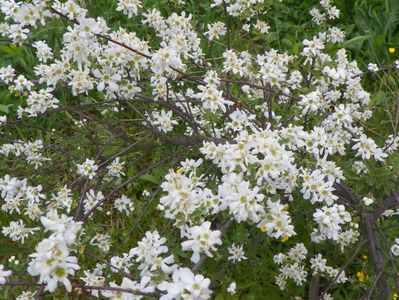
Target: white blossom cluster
[319,267]
[291,266]
[52,260]
[201,239]
[210,95]
[20,197]
[162,121]
[329,220]
[239,7]
[328,12]
[31,151]
[150,255]
[149,252]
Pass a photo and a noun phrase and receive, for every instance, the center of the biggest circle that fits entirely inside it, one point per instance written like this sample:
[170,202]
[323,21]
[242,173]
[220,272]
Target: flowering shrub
[194,150]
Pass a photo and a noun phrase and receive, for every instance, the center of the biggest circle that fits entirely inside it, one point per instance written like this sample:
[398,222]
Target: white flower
[291,266]
[165,59]
[317,16]
[102,241]
[44,52]
[124,204]
[246,27]
[262,26]
[232,288]
[93,279]
[210,96]
[143,286]
[368,201]
[359,167]
[62,198]
[201,240]
[149,253]
[330,219]
[92,199]
[107,77]
[318,264]
[88,168]
[22,84]
[185,285]
[216,30]
[18,34]
[53,264]
[237,253]
[17,231]
[245,203]
[312,102]
[163,120]
[3,274]
[395,249]
[366,148]
[7,74]
[372,67]
[129,7]
[317,189]
[115,168]
[87,27]
[313,47]
[63,227]
[277,221]
[80,81]
[26,296]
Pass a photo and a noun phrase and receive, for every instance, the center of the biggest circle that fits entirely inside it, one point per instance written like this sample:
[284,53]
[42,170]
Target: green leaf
[4,108]
[151,178]
[356,42]
[10,50]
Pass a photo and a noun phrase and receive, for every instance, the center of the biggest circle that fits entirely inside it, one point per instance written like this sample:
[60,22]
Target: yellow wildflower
[391,50]
[365,257]
[284,239]
[361,276]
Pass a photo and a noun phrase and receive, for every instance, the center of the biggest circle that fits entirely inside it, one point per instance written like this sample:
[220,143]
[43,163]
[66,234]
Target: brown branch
[382,69]
[376,255]
[86,287]
[151,167]
[348,262]
[314,288]
[391,202]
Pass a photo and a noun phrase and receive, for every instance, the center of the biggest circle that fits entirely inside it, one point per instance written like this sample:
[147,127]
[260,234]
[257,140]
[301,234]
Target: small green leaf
[356,42]
[151,178]
[4,108]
